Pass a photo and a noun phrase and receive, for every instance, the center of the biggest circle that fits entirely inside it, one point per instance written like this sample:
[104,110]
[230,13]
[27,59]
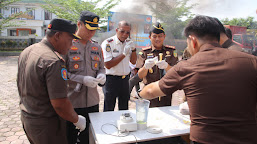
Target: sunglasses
[122,31]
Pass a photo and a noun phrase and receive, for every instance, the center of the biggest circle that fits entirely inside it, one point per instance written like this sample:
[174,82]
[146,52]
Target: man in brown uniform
[225,41]
[86,70]
[220,86]
[150,72]
[42,86]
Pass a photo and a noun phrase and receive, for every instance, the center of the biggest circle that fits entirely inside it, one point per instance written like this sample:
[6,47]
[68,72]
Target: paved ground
[11,131]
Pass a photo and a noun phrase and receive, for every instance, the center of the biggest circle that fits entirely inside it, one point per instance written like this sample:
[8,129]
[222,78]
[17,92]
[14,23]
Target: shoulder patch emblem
[110,40]
[147,48]
[64,73]
[175,54]
[108,47]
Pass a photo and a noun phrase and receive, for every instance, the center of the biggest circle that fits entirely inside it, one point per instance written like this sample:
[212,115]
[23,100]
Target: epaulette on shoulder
[146,48]
[168,46]
[93,41]
[110,40]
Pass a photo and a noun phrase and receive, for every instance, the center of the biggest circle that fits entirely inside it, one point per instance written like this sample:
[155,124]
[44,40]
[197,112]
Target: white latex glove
[101,78]
[184,109]
[128,47]
[149,63]
[162,64]
[81,124]
[90,81]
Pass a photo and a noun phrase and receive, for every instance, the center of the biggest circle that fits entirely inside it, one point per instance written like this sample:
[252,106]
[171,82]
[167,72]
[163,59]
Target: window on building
[31,13]
[13,33]
[33,31]
[48,15]
[15,10]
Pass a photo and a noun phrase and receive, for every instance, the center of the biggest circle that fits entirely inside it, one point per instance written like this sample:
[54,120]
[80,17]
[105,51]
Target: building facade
[33,22]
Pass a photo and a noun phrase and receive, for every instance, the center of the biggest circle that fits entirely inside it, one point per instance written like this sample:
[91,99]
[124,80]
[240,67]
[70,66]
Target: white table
[169,119]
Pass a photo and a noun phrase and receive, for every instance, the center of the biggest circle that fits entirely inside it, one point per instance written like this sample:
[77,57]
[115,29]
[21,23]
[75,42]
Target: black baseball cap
[157,28]
[64,26]
[91,20]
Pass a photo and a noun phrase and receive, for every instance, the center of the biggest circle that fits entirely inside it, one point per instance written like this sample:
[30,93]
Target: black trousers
[72,132]
[134,81]
[116,87]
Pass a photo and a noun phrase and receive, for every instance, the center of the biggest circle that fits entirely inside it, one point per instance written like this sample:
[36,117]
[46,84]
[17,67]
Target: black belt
[122,77]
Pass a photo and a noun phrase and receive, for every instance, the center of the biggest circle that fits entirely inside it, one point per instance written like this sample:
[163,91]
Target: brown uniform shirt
[221,89]
[170,56]
[231,45]
[84,60]
[41,77]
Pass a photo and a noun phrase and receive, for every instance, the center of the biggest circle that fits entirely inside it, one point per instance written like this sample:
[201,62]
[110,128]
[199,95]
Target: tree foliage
[170,13]
[70,9]
[6,21]
[246,22]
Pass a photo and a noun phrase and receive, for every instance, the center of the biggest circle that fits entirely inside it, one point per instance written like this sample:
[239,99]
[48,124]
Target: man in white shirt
[118,51]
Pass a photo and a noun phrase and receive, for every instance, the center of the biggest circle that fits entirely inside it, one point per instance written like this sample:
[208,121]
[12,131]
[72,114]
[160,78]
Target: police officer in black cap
[42,86]
[86,70]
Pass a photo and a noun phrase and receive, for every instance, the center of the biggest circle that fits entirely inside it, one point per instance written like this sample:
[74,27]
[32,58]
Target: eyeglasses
[123,31]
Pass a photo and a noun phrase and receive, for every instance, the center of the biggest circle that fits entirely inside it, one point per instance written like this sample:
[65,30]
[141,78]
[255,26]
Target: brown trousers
[44,130]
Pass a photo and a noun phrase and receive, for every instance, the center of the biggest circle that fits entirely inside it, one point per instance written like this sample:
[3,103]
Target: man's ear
[193,40]
[57,35]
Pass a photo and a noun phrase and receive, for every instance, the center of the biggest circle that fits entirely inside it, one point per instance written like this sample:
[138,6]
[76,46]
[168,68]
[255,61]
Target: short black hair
[221,26]
[50,33]
[203,27]
[228,32]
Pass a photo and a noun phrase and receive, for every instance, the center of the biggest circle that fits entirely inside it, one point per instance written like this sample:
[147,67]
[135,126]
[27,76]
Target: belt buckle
[123,76]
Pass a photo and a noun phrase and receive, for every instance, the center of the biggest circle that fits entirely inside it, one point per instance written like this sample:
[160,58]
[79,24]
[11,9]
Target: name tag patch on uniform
[115,50]
[95,48]
[95,52]
[175,54]
[76,52]
[108,47]
[74,48]
[76,66]
[64,73]
[76,58]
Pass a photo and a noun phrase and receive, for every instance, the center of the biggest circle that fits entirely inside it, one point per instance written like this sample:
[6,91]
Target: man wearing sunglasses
[118,51]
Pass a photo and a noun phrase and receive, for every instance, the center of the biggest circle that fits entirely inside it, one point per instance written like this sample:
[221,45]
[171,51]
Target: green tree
[170,13]
[70,9]
[246,22]
[6,21]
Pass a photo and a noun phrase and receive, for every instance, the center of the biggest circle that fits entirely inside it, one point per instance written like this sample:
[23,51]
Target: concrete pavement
[11,131]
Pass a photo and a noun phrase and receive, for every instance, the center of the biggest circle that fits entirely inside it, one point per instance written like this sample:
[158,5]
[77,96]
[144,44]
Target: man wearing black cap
[86,70]
[118,51]
[151,69]
[42,86]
